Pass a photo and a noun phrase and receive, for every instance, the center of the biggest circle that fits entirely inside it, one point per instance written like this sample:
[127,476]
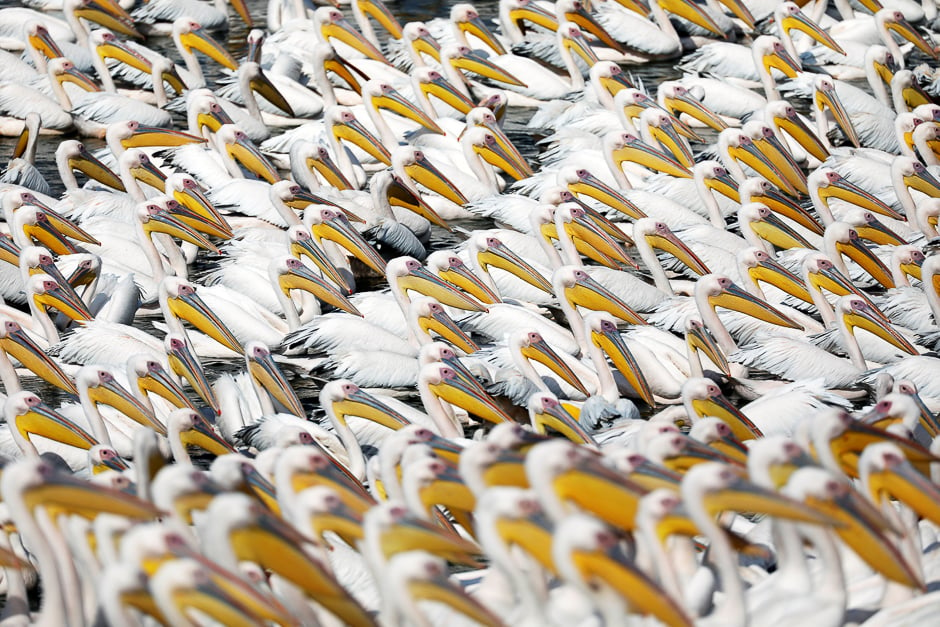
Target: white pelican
[157,17]
[735,102]
[656,38]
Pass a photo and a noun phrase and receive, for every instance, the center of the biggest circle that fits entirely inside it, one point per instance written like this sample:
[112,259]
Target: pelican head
[894,21]
[765,139]
[703,398]
[467,19]
[183,363]
[609,77]
[100,386]
[152,377]
[677,100]
[658,125]
[771,54]
[106,45]
[17,343]
[784,116]
[421,576]
[345,398]
[576,286]
[582,181]
[790,17]
[766,225]
[110,15]
[463,58]
[482,142]
[75,156]
[47,292]
[334,25]
[421,40]
[660,236]
[343,124]
[452,269]
[29,415]
[588,554]
[240,148]
[912,173]
[378,11]
[857,312]
[258,81]
[414,164]
[491,251]
[531,345]
[761,266]
[38,38]
[334,226]
[306,156]
[545,411]
[138,165]
[827,183]
[407,273]
[820,272]
[103,458]
[382,95]
[887,473]
[909,260]
[192,429]
[155,218]
[601,329]
[445,383]
[430,315]
[842,238]
[269,376]
[432,82]
[182,488]
[861,526]
[290,274]
[190,36]
[825,95]
[28,482]
[625,146]
[205,112]
[183,301]
[713,290]
[132,134]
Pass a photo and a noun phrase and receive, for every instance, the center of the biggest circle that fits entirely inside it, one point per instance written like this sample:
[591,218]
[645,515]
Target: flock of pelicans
[683,376]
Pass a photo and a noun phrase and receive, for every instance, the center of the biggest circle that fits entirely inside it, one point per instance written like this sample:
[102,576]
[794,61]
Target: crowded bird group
[477,320]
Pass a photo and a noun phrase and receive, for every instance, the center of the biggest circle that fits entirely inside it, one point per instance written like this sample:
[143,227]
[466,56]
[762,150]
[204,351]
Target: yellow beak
[202,41]
[611,342]
[643,595]
[474,62]
[903,28]
[425,173]
[692,12]
[456,392]
[353,131]
[737,299]
[342,30]
[21,347]
[636,151]
[194,310]
[590,294]
[425,282]
[336,228]
[830,99]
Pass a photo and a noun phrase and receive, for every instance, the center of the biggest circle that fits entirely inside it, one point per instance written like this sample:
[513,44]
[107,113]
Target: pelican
[157,17]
